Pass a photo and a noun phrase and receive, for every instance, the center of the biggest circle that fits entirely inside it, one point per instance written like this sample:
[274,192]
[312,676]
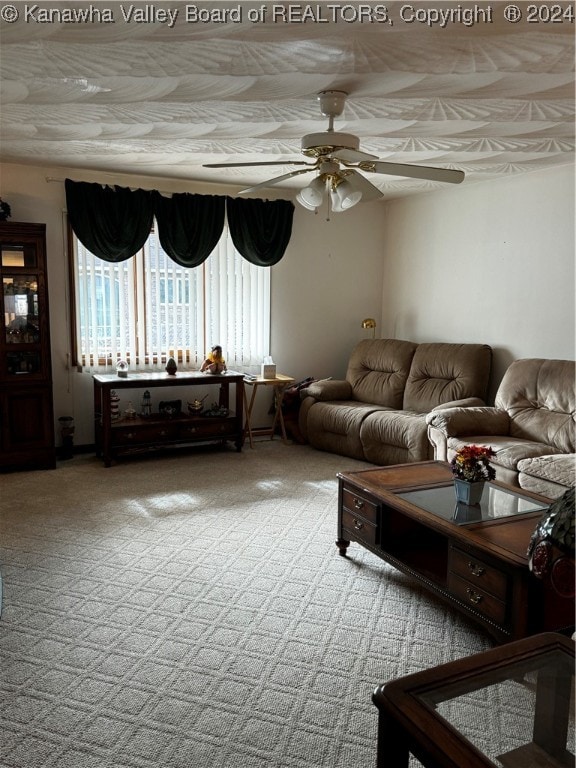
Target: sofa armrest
[329,389]
[467,402]
[470,421]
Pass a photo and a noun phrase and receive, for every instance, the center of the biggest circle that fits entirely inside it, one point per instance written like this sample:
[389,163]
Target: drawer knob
[358,525]
[475,569]
[358,503]
[473,596]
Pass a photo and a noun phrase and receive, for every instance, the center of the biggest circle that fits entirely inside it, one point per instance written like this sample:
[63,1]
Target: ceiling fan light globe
[351,200]
[313,194]
[347,195]
[303,203]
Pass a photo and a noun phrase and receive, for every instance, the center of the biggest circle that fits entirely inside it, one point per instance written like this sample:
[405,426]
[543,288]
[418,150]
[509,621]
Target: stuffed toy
[214,362]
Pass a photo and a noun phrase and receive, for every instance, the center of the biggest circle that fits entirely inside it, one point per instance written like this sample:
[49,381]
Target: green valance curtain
[260,229]
[189,226]
[113,223]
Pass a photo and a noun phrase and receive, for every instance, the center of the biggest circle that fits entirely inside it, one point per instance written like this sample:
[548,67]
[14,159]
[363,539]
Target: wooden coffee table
[473,558]
[526,688]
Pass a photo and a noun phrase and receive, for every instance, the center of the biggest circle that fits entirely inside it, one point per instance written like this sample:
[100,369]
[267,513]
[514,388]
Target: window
[148,308]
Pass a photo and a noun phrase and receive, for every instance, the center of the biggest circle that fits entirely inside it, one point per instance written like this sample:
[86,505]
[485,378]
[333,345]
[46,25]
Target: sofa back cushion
[443,372]
[378,370]
[539,396]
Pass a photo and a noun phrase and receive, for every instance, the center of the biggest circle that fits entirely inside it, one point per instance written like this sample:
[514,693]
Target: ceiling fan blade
[369,191]
[414,171]
[352,155]
[249,165]
[271,182]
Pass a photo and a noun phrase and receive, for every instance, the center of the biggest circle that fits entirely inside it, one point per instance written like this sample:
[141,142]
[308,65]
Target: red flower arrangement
[472,463]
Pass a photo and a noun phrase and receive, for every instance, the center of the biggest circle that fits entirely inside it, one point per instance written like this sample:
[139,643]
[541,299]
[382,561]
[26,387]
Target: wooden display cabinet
[26,408]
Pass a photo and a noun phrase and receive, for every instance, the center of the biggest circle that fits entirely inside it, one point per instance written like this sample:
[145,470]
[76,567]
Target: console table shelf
[124,436]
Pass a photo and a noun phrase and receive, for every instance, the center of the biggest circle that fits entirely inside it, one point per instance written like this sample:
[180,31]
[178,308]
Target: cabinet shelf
[157,418]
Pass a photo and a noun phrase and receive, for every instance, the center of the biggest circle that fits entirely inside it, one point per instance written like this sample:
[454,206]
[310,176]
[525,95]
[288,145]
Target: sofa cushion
[539,397]
[509,450]
[335,427]
[441,372]
[395,437]
[378,370]
[558,468]
[539,485]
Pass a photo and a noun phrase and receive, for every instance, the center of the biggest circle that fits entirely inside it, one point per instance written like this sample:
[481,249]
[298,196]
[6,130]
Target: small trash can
[67,434]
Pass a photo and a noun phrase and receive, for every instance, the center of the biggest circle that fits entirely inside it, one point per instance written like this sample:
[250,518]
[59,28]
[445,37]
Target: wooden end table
[431,714]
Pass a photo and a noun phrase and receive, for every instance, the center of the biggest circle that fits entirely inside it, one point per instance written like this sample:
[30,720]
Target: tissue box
[268,371]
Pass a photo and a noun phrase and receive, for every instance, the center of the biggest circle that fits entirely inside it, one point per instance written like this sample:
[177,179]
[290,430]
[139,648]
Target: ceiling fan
[338,160]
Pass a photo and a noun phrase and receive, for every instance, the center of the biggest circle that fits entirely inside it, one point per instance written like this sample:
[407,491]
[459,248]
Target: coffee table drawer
[475,597]
[478,572]
[359,505]
[360,529]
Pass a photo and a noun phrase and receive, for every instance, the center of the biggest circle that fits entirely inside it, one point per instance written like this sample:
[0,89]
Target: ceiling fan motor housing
[320,144]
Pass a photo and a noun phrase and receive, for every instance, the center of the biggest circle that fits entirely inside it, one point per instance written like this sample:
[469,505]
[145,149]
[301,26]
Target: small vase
[468,493]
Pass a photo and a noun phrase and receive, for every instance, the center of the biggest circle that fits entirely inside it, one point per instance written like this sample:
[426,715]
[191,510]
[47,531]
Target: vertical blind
[148,308]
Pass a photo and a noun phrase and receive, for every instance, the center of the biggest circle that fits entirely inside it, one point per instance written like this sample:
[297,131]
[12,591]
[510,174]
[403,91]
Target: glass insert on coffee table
[496,502]
[510,707]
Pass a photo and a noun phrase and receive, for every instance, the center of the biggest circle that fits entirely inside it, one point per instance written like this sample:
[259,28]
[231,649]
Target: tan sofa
[378,413]
[531,427]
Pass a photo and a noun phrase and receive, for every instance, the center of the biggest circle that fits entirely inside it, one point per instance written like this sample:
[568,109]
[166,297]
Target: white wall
[329,280]
[491,262]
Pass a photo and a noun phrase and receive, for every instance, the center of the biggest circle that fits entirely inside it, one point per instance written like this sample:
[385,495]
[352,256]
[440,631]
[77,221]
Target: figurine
[196,405]
[114,405]
[214,362]
[5,210]
[130,413]
[146,404]
[171,367]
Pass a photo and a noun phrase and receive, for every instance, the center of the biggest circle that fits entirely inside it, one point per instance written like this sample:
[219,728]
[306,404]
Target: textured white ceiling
[161,99]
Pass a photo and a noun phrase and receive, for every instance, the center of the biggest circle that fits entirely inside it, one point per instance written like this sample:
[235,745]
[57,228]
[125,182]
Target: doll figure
[214,362]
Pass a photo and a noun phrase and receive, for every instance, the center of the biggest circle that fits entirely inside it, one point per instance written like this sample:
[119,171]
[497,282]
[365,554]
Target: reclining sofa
[378,413]
[531,427]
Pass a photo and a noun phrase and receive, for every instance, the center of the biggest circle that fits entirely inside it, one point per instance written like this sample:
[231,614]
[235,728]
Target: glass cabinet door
[24,342]
[21,322]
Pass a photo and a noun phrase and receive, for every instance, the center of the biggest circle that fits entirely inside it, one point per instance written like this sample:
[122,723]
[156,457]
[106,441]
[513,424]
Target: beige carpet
[192,611]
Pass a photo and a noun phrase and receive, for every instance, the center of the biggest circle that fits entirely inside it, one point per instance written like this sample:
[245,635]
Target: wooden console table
[156,431]
[472,558]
